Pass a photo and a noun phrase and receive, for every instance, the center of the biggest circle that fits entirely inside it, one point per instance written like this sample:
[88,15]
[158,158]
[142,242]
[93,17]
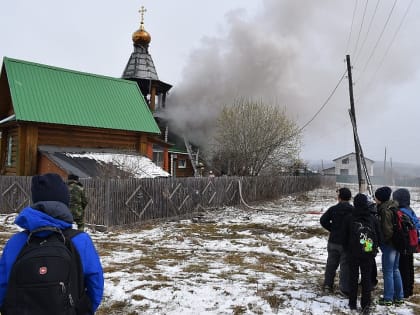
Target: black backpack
[47,277]
[364,240]
[405,235]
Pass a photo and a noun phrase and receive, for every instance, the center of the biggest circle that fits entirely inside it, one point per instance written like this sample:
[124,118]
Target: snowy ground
[233,261]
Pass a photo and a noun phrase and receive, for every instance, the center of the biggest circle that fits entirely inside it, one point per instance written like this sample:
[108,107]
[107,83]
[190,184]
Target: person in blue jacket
[50,207]
[406,266]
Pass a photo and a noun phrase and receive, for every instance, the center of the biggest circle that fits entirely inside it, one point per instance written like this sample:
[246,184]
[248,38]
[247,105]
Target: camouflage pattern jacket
[78,201]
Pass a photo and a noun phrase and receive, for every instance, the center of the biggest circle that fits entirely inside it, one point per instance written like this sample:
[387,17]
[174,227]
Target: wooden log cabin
[42,105]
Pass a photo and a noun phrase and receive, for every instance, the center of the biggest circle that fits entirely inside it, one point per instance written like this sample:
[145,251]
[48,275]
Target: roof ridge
[55,95]
[37,64]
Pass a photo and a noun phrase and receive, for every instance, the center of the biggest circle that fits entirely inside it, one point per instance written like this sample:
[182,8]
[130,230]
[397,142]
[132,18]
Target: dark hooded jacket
[55,214]
[402,196]
[333,220]
[364,215]
[385,211]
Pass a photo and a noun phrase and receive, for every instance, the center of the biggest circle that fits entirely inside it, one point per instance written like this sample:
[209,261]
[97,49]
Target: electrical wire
[361,27]
[379,38]
[387,49]
[351,27]
[367,32]
[325,103]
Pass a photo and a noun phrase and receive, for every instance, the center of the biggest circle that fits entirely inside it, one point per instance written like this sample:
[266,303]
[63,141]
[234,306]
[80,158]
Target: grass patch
[274,301]
[239,310]
[116,308]
[233,259]
[196,268]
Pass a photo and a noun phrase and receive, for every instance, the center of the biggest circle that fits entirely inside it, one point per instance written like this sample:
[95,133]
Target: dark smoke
[290,53]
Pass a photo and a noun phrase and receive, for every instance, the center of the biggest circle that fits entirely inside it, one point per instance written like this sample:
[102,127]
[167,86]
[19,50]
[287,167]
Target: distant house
[346,165]
[42,106]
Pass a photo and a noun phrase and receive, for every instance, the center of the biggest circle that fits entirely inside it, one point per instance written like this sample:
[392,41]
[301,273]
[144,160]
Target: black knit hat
[360,201]
[402,196]
[344,194]
[383,193]
[49,187]
[73,177]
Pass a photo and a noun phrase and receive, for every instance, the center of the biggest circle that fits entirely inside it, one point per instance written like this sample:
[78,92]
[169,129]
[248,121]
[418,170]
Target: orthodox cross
[142,11]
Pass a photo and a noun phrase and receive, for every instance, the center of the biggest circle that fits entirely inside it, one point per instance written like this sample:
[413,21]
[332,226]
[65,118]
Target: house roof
[46,94]
[99,163]
[350,154]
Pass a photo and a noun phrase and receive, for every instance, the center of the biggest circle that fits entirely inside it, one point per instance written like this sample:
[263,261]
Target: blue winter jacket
[402,196]
[31,219]
[408,211]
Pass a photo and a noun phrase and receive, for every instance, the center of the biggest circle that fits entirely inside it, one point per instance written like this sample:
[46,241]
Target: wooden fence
[115,202]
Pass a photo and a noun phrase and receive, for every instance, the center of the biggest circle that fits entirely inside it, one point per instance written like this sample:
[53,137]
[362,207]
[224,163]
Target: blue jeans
[393,289]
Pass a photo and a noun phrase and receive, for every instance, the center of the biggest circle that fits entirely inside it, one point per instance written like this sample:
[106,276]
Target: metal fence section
[114,202]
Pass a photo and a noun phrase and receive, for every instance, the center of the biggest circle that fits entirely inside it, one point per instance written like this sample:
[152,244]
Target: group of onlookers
[343,248]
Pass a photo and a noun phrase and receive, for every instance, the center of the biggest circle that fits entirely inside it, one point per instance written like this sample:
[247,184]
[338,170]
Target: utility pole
[353,113]
[385,167]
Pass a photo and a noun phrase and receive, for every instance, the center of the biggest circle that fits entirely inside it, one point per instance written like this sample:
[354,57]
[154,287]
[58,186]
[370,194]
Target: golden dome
[141,37]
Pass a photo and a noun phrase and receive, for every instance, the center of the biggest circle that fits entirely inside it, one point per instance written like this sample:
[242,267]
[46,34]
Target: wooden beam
[165,159]
[153,98]
[142,146]
[31,150]
[3,149]
[20,151]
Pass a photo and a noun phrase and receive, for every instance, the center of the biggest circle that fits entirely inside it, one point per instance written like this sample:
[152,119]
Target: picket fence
[116,202]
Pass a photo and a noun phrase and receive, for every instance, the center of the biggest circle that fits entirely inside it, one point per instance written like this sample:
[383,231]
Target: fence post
[107,202]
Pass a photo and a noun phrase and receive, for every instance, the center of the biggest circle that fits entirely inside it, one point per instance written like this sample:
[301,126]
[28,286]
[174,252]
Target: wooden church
[46,109]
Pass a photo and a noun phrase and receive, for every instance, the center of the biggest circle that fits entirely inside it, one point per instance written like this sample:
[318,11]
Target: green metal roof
[46,94]
[180,150]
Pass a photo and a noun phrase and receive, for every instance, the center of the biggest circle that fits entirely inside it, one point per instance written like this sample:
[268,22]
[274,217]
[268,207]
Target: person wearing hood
[406,266]
[393,289]
[361,225]
[50,208]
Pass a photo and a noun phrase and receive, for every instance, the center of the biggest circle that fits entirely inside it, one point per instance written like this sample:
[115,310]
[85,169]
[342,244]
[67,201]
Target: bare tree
[252,136]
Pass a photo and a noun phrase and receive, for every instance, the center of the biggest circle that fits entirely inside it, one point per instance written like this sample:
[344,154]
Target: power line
[361,27]
[351,27]
[379,38]
[325,103]
[389,47]
[368,30]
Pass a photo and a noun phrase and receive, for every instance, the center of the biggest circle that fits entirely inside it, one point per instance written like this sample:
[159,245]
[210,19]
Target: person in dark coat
[78,200]
[50,208]
[332,220]
[361,257]
[374,213]
[406,266]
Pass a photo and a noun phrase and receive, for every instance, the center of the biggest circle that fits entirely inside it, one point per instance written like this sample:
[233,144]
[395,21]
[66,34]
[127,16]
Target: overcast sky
[287,52]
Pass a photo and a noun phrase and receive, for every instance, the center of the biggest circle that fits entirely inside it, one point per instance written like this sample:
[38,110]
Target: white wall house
[346,165]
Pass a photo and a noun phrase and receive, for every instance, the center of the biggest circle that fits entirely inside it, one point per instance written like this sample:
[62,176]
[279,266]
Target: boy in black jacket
[332,220]
[361,237]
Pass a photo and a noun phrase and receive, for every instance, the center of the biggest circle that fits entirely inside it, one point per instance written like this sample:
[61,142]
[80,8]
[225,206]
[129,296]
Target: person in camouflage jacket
[78,200]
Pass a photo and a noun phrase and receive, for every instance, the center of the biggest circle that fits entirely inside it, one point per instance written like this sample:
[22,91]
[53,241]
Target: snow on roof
[139,166]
